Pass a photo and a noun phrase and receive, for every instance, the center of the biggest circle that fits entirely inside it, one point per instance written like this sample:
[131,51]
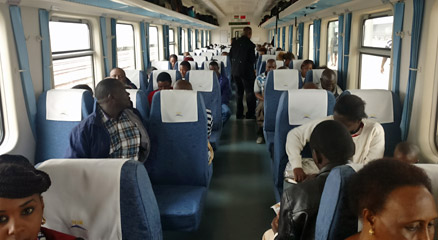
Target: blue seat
[335,219]
[53,134]
[272,97]
[176,66]
[212,99]
[138,77]
[261,59]
[140,102]
[384,107]
[199,60]
[222,69]
[178,161]
[124,185]
[227,64]
[152,85]
[283,125]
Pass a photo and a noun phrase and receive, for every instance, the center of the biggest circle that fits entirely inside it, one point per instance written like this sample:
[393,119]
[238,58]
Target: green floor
[241,191]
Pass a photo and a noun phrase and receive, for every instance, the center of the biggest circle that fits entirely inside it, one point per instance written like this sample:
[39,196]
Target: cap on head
[20,179]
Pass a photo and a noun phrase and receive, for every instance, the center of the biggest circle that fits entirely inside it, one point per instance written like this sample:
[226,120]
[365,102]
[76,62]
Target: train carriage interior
[219,181]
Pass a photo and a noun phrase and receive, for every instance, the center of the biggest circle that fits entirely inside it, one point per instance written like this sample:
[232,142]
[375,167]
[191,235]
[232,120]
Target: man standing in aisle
[242,55]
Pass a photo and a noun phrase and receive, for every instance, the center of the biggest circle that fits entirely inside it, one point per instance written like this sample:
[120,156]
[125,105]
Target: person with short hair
[305,67]
[113,130]
[368,136]
[173,59]
[259,90]
[164,82]
[225,91]
[242,57]
[331,146]
[393,199]
[287,58]
[84,87]
[407,152]
[310,85]
[184,67]
[119,74]
[262,51]
[329,82]
[21,203]
[186,54]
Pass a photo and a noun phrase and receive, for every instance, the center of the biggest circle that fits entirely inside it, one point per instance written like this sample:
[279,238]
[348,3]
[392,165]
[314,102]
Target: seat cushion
[180,206]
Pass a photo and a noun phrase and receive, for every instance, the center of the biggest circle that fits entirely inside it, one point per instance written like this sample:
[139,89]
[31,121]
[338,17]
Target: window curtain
[196,39]
[399,9]
[316,40]
[45,48]
[166,42]
[144,32]
[104,38]
[340,51]
[346,48]
[300,40]
[180,50]
[114,42]
[284,39]
[291,40]
[278,37]
[23,62]
[189,39]
[417,22]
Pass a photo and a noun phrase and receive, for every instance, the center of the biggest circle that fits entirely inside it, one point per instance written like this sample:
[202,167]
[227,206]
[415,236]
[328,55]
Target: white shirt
[369,142]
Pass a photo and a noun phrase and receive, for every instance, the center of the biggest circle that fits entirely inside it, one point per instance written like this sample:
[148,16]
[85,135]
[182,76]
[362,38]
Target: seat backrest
[180,58]
[335,219]
[140,102]
[58,112]
[261,59]
[304,103]
[209,55]
[223,59]
[315,76]
[297,64]
[384,107]
[153,85]
[193,65]
[161,65]
[207,84]
[178,134]
[279,63]
[274,87]
[138,77]
[197,52]
[199,60]
[222,69]
[80,205]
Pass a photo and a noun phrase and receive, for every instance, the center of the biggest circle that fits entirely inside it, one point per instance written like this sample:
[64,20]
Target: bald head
[328,80]
[182,85]
[119,74]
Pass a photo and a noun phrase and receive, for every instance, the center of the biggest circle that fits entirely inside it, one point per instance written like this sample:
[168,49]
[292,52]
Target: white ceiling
[254,8]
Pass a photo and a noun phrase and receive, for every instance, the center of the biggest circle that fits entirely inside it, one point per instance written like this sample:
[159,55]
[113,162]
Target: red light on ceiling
[243,17]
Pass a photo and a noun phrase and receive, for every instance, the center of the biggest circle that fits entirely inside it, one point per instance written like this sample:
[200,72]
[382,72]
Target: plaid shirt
[124,135]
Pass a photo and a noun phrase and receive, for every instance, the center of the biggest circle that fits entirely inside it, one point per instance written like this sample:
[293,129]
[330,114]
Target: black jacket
[242,55]
[299,207]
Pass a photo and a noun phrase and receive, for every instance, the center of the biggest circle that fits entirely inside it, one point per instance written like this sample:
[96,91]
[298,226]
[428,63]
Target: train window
[72,53]
[125,46]
[375,52]
[153,43]
[311,42]
[332,45]
[171,41]
[183,40]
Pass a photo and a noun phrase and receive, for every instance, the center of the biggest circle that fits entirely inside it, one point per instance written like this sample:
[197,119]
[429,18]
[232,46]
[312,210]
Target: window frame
[158,40]
[310,40]
[62,55]
[172,44]
[134,43]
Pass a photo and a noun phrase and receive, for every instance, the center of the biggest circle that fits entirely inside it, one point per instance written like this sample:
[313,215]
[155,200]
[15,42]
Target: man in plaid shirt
[114,130]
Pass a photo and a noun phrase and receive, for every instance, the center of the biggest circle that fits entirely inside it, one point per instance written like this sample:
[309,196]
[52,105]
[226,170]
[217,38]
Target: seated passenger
[186,54]
[164,81]
[393,200]
[329,82]
[262,51]
[305,67]
[21,203]
[224,54]
[407,152]
[173,59]
[114,130]
[225,92]
[287,57]
[84,87]
[331,146]
[259,91]
[310,85]
[368,136]
[119,74]
[184,67]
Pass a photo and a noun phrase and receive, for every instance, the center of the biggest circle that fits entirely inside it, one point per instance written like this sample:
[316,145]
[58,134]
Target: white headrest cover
[179,106]
[306,105]
[157,72]
[84,199]
[378,104]
[134,76]
[222,59]
[133,96]
[180,58]
[267,57]
[297,64]
[207,54]
[202,80]
[317,73]
[286,79]
[192,65]
[279,63]
[161,65]
[197,51]
[64,105]
[199,59]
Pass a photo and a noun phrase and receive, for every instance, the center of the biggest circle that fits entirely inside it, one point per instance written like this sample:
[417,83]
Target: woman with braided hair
[21,203]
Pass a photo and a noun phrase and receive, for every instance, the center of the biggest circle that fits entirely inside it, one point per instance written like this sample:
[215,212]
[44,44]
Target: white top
[370,143]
